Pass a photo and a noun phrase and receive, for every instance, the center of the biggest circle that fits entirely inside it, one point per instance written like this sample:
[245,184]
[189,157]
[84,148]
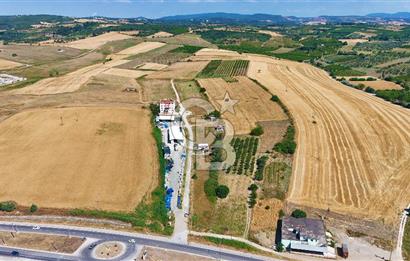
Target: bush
[257,131]
[222,191]
[274,98]
[215,114]
[297,213]
[369,90]
[33,208]
[287,145]
[280,247]
[281,213]
[7,206]
[210,186]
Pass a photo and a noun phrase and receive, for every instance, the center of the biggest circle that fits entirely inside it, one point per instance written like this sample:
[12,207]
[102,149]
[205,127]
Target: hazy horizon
[160,8]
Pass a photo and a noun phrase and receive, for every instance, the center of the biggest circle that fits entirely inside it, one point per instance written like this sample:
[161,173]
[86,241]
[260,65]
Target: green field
[220,69]
[245,150]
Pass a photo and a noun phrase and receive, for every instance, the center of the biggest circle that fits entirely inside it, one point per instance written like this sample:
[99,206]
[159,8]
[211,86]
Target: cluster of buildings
[6,79]
[173,139]
[305,235]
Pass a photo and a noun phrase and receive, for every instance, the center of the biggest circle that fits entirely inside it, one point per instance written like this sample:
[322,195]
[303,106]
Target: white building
[175,134]
[167,110]
[167,107]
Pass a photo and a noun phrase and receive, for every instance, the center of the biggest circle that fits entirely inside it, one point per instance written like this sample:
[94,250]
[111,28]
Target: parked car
[36,228]
[92,246]
[345,251]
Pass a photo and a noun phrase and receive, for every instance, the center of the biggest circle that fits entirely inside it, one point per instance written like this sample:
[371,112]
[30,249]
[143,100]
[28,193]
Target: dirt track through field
[78,158]
[356,158]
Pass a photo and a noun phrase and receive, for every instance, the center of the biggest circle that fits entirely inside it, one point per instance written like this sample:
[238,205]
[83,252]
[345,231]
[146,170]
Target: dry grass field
[186,39]
[160,34]
[44,242]
[152,66]
[97,41]
[141,48]
[379,84]
[84,157]
[253,105]
[180,71]
[214,54]
[69,82]
[356,158]
[126,73]
[32,54]
[155,90]
[353,42]
[6,64]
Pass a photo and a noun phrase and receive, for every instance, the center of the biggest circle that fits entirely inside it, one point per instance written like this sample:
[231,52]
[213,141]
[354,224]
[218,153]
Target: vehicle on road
[36,228]
[345,251]
[15,253]
[92,246]
[132,241]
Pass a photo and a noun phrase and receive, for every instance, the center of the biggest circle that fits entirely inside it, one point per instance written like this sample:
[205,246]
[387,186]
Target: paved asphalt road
[131,250]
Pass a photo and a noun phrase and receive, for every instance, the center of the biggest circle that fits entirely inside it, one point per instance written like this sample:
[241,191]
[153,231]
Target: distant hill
[230,18]
[25,21]
[400,15]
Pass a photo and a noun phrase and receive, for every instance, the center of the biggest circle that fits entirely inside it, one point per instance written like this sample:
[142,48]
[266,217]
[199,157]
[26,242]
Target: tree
[257,131]
[298,213]
[222,191]
[280,247]
[7,206]
[33,208]
[274,98]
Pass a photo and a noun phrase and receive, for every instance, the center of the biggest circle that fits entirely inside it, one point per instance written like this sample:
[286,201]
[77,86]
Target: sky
[160,8]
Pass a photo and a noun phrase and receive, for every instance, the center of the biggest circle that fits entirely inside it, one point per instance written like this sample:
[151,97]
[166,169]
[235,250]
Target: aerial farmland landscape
[230,134]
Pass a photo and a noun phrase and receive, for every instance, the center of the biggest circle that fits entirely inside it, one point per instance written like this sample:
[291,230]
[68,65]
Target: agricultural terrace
[245,150]
[253,102]
[78,158]
[224,68]
[339,161]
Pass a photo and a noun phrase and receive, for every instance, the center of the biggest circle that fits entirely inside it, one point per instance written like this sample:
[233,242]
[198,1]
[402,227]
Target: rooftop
[301,229]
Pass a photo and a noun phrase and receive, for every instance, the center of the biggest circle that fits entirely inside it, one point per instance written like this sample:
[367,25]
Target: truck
[345,251]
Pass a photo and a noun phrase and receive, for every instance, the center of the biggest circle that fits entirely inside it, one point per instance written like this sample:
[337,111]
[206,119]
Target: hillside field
[78,158]
[353,153]
[253,104]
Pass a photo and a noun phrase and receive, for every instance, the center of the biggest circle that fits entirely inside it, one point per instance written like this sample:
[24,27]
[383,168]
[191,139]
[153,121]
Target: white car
[36,228]
[132,240]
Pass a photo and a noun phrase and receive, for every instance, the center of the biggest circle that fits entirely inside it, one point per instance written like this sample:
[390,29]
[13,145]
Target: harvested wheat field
[160,34]
[353,42]
[253,103]
[214,54]
[69,82]
[78,158]
[379,84]
[6,64]
[180,71]
[141,48]
[356,158]
[97,41]
[152,66]
[126,73]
